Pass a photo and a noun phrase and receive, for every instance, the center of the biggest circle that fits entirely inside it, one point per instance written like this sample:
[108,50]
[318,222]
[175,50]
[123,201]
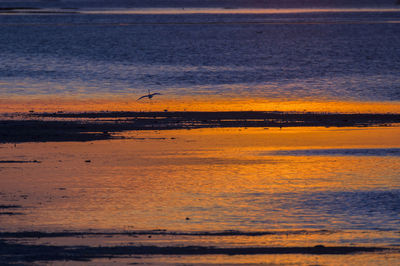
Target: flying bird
[149,95]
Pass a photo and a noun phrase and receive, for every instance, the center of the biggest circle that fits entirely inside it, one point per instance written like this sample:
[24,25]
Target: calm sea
[339,55]
[212,187]
[298,187]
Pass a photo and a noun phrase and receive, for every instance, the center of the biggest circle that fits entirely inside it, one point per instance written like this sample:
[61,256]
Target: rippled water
[222,179]
[289,187]
[319,55]
[340,152]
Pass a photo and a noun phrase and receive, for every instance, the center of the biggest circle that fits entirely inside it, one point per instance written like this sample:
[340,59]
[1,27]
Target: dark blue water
[200,3]
[313,55]
[352,210]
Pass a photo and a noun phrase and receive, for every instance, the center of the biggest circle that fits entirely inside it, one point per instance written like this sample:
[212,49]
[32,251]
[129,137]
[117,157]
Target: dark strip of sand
[10,213]
[33,10]
[10,207]
[12,253]
[13,161]
[42,127]
[38,234]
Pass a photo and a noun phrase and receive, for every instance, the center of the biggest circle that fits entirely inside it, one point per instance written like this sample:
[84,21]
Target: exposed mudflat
[43,127]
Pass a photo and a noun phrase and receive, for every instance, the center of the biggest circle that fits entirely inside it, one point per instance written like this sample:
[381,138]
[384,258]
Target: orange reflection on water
[229,10]
[161,103]
[222,179]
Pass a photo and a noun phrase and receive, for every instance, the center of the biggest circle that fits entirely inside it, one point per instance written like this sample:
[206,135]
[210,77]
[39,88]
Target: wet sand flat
[44,127]
[29,253]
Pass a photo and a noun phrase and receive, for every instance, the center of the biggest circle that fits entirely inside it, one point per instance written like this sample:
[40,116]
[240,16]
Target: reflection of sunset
[156,179]
[272,136]
[166,11]
[66,104]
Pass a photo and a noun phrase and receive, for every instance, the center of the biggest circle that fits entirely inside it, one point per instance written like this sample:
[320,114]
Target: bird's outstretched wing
[144,96]
[150,95]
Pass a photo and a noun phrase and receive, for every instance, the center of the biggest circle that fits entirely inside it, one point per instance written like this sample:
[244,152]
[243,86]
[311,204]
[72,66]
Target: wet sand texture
[11,253]
[102,125]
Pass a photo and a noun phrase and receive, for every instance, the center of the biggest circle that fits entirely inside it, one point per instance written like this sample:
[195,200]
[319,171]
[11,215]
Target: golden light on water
[144,181]
[228,10]
[155,179]
[222,178]
[162,103]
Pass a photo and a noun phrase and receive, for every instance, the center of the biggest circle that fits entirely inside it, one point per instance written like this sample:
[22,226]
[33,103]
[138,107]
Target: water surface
[222,179]
[255,58]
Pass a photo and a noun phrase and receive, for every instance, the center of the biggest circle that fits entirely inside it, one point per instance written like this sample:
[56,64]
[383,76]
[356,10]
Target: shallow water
[221,179]
[231,187]
[237,56]
[209,187]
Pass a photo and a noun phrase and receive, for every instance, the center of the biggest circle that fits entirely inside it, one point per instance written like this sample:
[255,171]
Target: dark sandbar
[42,127]
[10,213]
[10,207]
[33,10]
[39,234]
[11,252]
[14,161]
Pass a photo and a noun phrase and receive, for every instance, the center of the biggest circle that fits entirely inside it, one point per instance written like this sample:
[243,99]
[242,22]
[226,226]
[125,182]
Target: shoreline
[12,253]
[59,200]
[90,126]
[27,247]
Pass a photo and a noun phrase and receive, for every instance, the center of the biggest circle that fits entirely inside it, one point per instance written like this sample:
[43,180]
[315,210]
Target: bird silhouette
[149,95]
